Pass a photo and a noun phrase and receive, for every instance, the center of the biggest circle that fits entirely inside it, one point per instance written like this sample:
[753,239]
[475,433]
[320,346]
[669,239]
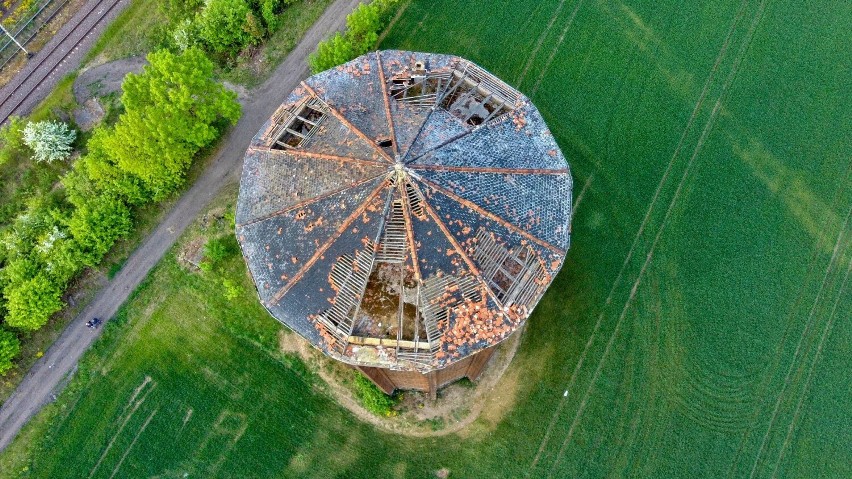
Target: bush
[372,398]
[10,347]
[232,289]
[219,249]
[12,146]
[49,140]
[221,26]
[362,32]
[97,224]
[269,10]
[30,303]
[176,10]
[184,34]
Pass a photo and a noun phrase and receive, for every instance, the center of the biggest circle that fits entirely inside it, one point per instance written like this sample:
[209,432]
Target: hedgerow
[172,110]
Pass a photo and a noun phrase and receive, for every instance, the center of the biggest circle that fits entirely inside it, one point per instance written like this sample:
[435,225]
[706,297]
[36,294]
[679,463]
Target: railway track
[53,56]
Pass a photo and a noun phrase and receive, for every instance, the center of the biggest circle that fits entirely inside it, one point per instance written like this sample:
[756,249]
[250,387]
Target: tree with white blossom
[49,140]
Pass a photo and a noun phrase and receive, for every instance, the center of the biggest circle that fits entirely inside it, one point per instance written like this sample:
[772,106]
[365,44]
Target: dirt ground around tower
[457,406]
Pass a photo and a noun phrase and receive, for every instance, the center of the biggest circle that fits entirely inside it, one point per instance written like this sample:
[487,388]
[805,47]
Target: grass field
[700,326]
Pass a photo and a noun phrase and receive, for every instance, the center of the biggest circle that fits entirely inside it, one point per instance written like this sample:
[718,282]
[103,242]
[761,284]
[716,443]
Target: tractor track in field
[61,55]
[779,349]
[555,48]
[809,323]
[826,332]
[708,127]
[663,180]
[539,43]
[46,376]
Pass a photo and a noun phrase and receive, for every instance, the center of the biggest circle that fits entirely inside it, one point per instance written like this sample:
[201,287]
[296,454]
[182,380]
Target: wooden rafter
[309,201]
[334,111]
[473,269]
[493,217]
[323,156]
[475,169]
[387,103]
[322,249]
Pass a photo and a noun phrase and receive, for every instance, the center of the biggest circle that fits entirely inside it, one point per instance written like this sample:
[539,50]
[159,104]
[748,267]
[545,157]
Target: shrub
[372,398]
[10,347]
[49,140]
[184,34]
[31,302]
[218,249]
[176,10]
[221,26]
[269,10]
[232,289]
[254,29]
[12,146]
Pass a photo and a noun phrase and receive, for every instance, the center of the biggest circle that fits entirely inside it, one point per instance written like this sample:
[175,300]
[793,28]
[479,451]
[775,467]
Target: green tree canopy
[171,111]
[97,224]
[221,26]
[362,33]
[31,303]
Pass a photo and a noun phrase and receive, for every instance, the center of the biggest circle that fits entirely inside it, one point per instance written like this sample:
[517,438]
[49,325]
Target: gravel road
[46,376]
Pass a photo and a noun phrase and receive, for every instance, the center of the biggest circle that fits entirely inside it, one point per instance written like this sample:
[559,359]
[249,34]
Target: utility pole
[13,39]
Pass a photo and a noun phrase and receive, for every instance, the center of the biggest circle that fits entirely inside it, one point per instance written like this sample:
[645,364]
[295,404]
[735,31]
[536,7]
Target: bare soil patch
[458,405]
[101,80]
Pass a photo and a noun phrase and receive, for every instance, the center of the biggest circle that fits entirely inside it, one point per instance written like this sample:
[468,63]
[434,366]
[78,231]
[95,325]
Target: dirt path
[42,382]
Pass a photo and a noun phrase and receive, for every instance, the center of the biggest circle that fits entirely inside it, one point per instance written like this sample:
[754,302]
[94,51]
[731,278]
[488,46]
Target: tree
[30,303]
[363,25]
[97,224]
[362,32]
[331,52]
[98,173]
[171,111]
[49,140]
[221,26]
[10,347]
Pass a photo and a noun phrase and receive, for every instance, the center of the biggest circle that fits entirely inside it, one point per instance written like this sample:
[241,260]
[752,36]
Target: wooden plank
[379,378]
[478,362]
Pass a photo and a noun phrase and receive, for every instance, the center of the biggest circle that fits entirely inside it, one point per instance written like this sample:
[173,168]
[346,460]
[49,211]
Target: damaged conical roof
[404,210]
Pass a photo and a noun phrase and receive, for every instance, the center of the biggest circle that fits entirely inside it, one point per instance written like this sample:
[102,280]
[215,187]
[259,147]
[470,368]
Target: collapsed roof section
[404,210]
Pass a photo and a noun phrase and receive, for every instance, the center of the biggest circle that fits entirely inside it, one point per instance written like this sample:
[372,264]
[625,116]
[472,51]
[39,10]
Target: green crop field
[701,324]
